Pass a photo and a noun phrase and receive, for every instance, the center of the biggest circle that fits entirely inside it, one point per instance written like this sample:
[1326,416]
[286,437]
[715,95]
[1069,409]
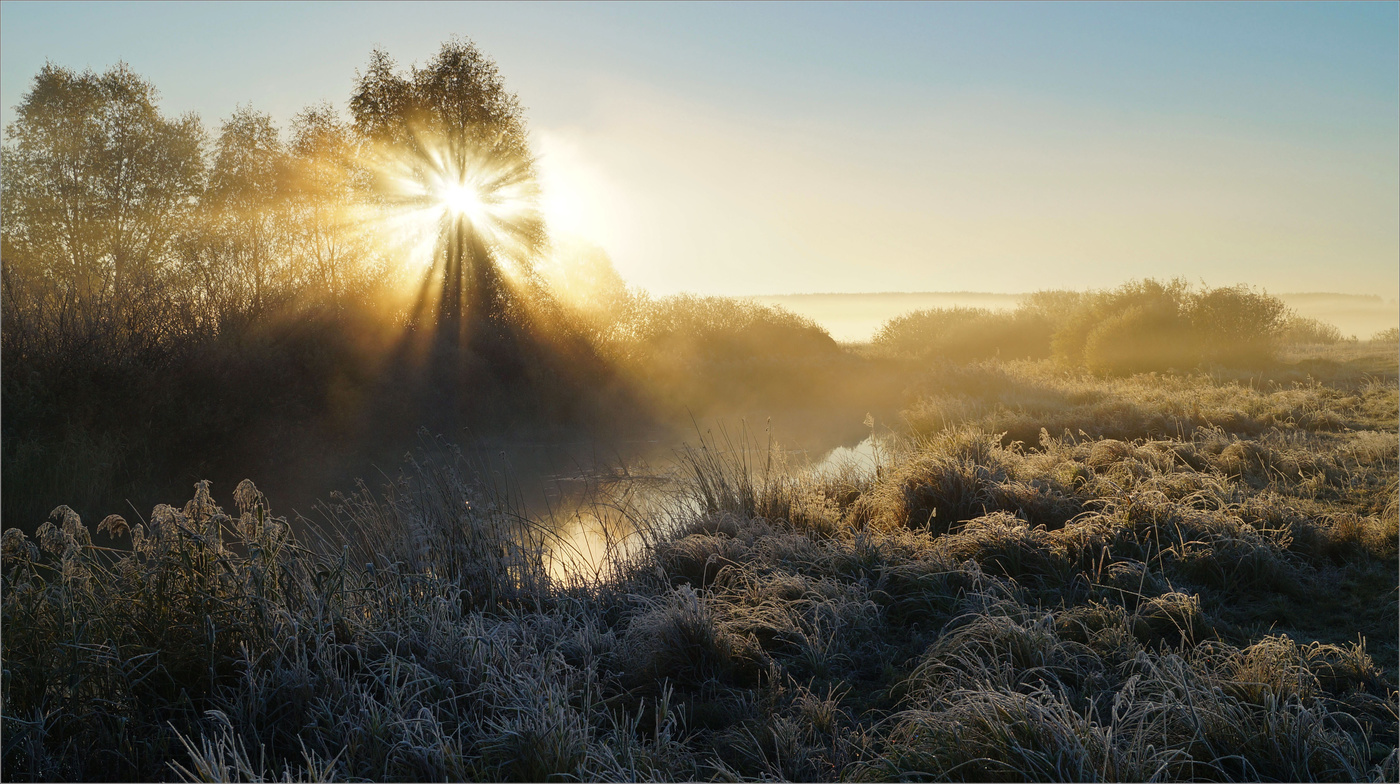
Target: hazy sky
[744,149]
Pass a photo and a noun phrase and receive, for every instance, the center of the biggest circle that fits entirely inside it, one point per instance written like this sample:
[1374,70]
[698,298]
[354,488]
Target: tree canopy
[97,183]
[459,93]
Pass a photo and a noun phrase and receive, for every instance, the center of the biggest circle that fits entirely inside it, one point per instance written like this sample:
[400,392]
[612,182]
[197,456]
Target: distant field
[854,318]
[1361,316]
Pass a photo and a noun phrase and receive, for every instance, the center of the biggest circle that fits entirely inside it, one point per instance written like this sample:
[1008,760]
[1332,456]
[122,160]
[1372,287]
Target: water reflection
[606,513]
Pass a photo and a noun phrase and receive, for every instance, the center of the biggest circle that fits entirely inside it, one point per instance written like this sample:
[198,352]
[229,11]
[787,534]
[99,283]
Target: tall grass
[1215,603]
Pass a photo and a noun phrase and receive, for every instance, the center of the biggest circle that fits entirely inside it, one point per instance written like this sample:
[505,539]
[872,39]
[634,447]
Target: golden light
[463,199]
[428,183]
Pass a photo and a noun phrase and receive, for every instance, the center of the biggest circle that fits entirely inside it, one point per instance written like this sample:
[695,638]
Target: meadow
[1146,532]
[1046,574]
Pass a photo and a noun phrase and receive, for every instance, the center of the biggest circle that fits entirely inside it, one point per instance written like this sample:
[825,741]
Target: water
[590,493]
[594,514]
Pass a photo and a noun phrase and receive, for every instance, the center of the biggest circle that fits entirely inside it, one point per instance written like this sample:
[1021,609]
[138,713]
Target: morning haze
[622,392]
[948,147]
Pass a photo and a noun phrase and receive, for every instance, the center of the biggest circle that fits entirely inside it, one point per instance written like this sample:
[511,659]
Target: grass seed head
[51,539]
[114,526]
[201,507]
[15,546]
[246,496]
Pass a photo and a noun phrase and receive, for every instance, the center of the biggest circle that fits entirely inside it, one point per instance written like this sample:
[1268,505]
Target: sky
[788,148]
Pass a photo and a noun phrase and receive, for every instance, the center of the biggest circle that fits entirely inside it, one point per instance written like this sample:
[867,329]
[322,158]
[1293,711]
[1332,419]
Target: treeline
[1142,326]
[178,303]
[165,292]
[181,305]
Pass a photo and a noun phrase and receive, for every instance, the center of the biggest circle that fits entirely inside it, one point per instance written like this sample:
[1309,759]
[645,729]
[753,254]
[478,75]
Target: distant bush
[964,334]
[1149,325]
[1236,326]
[1138,340]
[1300,330]
[720,328]
[1139,327]
[1153,301]
[1391,335]
[694,353]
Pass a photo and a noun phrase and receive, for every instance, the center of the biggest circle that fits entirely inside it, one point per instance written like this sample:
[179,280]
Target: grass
[1048,576]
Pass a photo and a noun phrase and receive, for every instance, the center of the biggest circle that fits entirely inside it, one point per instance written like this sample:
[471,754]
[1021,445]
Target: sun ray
[427,183]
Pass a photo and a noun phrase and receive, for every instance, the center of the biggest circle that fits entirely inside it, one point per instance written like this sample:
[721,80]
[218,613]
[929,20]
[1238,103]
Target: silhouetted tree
[459,93]
[326,187]
[452,122]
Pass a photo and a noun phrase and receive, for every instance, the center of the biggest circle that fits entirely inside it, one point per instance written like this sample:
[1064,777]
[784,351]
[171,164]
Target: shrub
[1153,301]
[1149,325]
[1236,326]
[1301,330]
[965,334]
[692,354]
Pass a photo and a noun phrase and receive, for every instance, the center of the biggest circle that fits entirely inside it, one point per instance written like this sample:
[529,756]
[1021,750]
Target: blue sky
[744,149]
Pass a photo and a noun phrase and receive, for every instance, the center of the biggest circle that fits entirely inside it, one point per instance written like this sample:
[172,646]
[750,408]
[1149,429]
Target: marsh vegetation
[1144,533]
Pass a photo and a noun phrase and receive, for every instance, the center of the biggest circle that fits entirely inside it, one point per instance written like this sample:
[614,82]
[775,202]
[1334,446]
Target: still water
[594,510]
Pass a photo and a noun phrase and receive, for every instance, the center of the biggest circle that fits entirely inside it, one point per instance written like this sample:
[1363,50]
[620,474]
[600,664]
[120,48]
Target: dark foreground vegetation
[1171,578]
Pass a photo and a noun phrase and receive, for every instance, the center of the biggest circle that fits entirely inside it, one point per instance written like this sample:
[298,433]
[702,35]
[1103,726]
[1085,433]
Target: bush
[964,334]
[1139,339]
[720,328]
[696,354]
[1237,326]
[1302,331]
[1149,325]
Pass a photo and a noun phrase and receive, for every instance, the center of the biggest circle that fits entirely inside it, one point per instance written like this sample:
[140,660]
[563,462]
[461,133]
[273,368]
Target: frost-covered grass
[1179,578]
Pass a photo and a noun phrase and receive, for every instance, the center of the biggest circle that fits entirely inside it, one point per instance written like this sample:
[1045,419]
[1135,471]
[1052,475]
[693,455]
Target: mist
[396,477]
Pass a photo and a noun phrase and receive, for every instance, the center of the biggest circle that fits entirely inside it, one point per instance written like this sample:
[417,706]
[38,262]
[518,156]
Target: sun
[433,189]
[463,199]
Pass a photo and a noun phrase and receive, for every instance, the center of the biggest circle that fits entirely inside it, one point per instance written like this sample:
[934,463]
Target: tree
[244,201]
[325,191]
[96,182]
[458,94]
[451,127]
